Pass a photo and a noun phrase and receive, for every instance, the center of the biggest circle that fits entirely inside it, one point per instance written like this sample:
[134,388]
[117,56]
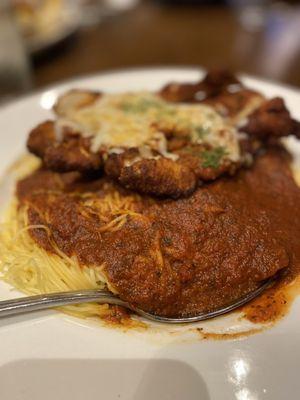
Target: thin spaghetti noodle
[32,270]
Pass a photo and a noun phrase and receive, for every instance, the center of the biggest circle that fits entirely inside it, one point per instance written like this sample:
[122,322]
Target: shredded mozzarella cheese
[141,119]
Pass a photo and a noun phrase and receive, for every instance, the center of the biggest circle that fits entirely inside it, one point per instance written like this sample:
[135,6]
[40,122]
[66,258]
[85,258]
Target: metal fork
[50,300]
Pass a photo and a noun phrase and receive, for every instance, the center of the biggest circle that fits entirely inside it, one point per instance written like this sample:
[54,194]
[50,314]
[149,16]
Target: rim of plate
[131,70]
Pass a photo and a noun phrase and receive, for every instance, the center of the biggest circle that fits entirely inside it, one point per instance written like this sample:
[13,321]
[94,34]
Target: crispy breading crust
[40,138]
[219,89]
[214,83]
[161,177]
[267,120]
[271,121]
[71,154]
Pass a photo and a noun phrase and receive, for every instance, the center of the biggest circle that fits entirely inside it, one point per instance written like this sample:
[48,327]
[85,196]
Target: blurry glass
[251,13]
[14,67]
[95,10]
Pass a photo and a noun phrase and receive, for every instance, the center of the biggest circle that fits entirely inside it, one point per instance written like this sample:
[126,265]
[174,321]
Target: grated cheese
[118,121]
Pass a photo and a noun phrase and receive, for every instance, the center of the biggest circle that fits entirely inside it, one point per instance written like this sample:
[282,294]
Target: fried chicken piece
[182,92]
[153,173]
[165,177]
[271,120]
[40,138]
[74,100]
[71,154]
[207,164]
[219,89]
[160,177]
[235,106]
[217,80]
[212,85]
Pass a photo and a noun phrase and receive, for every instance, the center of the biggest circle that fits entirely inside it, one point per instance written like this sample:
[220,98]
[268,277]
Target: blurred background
[45,41]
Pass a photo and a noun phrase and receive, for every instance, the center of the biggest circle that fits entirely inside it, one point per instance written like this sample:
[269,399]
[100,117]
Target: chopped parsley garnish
[166,111]
[140,106]
[209,158]
[200,132]
[212,158]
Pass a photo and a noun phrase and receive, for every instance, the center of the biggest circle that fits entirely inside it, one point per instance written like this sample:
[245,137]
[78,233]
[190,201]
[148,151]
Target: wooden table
[152,34]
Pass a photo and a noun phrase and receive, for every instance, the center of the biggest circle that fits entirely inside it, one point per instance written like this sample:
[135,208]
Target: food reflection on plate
[179,201]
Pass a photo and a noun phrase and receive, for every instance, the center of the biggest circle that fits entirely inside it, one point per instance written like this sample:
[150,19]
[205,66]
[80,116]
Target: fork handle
[50,300]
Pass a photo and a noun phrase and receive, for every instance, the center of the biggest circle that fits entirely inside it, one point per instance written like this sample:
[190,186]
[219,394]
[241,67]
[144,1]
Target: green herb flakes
[212,158]
[200,132]
[140,106]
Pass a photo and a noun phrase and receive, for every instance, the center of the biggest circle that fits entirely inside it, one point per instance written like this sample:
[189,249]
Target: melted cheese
[141,119]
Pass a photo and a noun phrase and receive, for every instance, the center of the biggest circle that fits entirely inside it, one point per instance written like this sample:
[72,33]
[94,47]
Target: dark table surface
[153,34]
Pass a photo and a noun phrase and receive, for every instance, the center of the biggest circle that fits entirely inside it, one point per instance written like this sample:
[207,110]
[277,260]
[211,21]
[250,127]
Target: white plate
[51,356]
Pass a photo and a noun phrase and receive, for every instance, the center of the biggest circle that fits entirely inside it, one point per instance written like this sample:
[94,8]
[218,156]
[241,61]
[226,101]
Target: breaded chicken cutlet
[163,144]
